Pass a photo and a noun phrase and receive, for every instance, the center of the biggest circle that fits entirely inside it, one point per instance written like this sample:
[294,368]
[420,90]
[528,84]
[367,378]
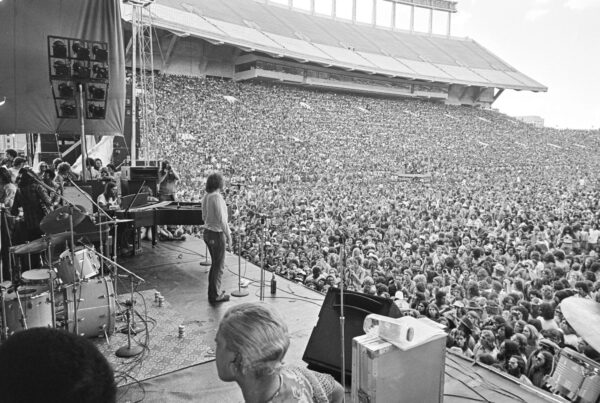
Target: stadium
[365,170]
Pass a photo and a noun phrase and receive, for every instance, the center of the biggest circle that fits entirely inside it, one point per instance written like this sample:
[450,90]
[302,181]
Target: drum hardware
[95,307]
[62,219]
[128,350]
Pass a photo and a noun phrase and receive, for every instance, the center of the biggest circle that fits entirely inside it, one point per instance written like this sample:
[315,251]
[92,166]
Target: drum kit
[71,292]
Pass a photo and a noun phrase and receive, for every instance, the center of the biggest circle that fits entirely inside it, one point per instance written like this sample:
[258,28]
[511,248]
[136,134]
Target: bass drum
[96,309]
[34,309]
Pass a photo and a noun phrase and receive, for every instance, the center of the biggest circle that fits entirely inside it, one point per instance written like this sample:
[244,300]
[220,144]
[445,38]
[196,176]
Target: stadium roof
[281,32]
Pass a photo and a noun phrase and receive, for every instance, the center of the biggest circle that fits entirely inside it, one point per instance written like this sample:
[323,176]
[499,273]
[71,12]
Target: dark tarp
[24,73]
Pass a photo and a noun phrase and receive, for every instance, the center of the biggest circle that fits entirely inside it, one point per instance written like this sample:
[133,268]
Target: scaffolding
[142,83]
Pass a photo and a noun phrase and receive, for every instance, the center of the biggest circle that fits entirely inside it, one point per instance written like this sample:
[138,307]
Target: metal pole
[83,142]
[77,280]
[342,317]
[134,30]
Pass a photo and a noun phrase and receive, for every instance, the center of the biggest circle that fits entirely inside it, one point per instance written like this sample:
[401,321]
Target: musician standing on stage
[167,179]
[34,200]
[217,235]
[8,190]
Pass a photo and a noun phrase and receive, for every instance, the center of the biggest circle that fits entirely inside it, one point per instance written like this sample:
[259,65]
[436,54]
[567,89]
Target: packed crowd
[501,228]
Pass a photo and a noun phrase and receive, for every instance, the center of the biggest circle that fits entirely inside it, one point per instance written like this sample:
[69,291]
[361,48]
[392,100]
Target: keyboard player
[110,202]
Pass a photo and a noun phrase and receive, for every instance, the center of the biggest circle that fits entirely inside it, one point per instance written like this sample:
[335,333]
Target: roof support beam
[170,50]
[374,13]
[128,47]
[500,91]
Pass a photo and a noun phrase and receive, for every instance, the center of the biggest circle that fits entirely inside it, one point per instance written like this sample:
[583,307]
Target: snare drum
[86,265]
[96,307]
[37,279]
[34,310]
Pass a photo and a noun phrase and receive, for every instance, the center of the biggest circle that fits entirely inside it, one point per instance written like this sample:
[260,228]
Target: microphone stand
[342,315]
[239,292]
[262,218]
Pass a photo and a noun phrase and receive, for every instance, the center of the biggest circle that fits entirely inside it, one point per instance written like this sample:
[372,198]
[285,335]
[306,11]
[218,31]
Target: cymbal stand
[2,247]
[4,329]
[4,224]
[23,316]
[77,284]
[51,281]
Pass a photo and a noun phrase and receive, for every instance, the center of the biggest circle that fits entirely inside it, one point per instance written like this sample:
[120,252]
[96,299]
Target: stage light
[4,100]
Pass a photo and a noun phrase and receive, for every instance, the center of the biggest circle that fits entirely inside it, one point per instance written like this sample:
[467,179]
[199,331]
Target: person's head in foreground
[252,341]
[49,365]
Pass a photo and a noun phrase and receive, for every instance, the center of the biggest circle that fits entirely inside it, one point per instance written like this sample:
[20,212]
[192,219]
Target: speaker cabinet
[323,351]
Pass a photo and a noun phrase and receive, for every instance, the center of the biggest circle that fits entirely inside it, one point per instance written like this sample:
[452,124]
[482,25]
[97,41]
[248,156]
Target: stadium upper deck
[281,32]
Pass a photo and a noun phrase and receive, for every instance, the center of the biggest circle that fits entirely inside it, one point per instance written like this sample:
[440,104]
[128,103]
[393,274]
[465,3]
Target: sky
[555,42]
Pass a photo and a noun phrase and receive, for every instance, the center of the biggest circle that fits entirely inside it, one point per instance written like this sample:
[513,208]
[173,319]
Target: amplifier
[139,173]
[382,372]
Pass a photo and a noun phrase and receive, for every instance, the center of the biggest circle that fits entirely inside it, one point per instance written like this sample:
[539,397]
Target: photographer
[167,179]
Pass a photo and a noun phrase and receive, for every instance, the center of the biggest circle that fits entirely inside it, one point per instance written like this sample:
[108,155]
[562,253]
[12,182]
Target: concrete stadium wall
[459,94]
[195,57]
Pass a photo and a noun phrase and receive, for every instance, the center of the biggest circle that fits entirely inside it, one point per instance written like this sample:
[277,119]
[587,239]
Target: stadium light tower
[141,27]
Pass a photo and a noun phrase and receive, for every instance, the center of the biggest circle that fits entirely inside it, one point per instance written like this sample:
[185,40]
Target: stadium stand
[280,32]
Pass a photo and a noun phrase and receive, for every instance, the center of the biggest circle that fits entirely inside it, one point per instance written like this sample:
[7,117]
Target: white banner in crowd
[102,150]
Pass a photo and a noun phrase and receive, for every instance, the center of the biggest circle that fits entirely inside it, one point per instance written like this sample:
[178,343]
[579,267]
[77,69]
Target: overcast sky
[555,42]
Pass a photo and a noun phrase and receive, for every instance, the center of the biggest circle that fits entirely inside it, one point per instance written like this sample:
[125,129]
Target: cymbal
[40,245]
[584,317]
[60,220]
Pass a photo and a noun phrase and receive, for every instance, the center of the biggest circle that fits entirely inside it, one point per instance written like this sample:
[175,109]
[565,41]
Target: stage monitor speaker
[139,173]
[323,352]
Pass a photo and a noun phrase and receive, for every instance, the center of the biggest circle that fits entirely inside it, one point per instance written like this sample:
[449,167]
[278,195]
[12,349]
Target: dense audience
[463,215]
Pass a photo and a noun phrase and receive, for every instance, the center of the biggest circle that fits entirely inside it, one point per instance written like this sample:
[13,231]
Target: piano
[163,213]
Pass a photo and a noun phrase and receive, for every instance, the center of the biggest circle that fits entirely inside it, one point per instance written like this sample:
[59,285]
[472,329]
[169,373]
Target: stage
[174,269]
